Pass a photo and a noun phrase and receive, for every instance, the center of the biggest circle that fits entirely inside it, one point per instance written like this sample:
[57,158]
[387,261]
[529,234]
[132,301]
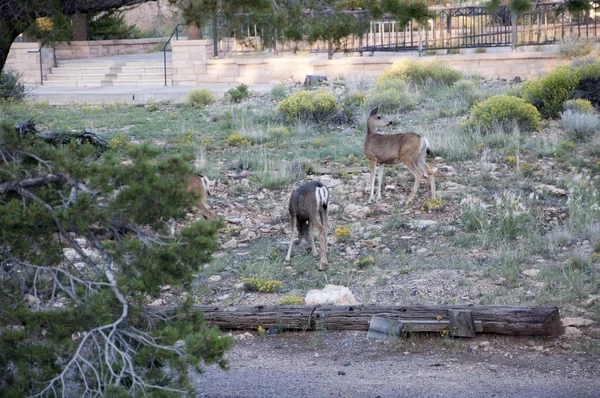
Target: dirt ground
[347,364]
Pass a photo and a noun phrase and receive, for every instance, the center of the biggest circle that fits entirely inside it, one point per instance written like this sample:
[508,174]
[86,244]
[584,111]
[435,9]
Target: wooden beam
[500,319]
[461,323]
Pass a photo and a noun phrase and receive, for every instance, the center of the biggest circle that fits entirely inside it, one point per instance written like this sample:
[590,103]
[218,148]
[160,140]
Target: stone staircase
[125,70]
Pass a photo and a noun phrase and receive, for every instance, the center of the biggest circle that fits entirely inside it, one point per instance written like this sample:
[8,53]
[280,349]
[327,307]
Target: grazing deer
[201,185]
[308,208]
[408,148]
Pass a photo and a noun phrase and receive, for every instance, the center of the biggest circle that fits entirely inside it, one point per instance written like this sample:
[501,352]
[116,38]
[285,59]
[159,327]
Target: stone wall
[21,60]
[193,65]
[102,48]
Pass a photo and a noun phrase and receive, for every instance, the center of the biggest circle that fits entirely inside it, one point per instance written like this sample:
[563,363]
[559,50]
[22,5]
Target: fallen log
[338,172]
[499,319]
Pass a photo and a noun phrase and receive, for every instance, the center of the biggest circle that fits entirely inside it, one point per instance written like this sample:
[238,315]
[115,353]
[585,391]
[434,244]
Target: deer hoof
[323,267]
[287,260]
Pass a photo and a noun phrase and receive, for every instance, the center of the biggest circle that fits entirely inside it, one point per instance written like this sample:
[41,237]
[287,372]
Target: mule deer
[408,148]
[308,208]
[201,186]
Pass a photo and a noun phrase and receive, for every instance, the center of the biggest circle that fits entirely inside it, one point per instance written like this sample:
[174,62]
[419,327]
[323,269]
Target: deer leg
[418,175]
[323,241]
[311,234]
[380,178]
[427,171]
[289,253]
[373,167]
[205,212]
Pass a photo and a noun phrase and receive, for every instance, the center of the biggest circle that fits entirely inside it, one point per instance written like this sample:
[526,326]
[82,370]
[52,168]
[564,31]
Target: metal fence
[450,28]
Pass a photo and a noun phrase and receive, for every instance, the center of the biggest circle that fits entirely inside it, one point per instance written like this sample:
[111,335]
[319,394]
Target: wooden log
[500,319]
[338,172]
[461,323]
[383,328]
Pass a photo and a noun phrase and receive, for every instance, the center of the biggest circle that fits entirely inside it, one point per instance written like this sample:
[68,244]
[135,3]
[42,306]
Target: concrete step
[95,70]
[111,76]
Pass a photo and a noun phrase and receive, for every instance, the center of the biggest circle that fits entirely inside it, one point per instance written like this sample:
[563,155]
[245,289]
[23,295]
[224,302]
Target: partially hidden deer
[199,184]
[308,208]
[409,148]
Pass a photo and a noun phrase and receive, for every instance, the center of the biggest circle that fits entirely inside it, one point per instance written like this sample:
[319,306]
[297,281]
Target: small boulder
[330,294]
[421,224]
[231,244]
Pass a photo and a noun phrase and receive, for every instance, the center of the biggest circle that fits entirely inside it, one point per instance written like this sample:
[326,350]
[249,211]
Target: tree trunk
[509,320]
[80,31]
[194,32]
[5,44]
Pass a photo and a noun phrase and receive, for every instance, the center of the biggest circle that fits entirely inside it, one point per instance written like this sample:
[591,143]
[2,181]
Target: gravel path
[348,365]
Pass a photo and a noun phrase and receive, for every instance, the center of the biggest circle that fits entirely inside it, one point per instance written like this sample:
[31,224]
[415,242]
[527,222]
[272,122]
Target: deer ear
[374,111]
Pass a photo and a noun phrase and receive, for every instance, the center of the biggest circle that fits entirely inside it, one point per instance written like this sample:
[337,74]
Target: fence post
[215,39]
[513,40]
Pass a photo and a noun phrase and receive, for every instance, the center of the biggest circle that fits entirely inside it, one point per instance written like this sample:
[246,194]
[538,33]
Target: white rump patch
[206,183]
[424,143]
[322,195]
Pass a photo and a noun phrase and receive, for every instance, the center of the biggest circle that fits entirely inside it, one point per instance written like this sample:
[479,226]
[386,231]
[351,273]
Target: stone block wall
[102,48]
[23,59]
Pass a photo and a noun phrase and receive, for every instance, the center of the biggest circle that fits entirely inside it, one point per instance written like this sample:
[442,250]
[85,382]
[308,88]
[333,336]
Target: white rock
[531,272]
[355,211]
[571,331]
[214,278]
[330,294]
[421,224]
[576,322]
[232,244]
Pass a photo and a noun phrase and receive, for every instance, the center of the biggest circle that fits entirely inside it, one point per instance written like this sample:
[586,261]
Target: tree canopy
[83,248]
[16,16]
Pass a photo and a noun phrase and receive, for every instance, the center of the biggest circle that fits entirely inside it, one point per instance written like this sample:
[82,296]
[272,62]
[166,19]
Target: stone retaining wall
[21,60]
[102,48]
[192,65]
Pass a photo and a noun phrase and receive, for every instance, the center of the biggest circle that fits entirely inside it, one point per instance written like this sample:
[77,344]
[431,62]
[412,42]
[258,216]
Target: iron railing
[450,28]
[164,50]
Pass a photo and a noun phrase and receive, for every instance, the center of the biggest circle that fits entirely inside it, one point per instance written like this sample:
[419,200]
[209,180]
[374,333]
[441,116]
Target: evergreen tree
[83,248]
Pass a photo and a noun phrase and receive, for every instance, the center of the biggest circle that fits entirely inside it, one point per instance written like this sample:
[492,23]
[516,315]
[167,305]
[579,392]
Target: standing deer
[201,186]
[308,208]
[408,148]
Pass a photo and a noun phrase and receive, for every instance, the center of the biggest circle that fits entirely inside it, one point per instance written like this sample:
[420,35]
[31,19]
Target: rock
[448,169]
[330,294]
[484,344]
[572,332]
[550,188]
[239,286]
[390,187]
[214,278]
[452,186]
[232,244]
[532,273]
[373,243]
[333,208]
[355,211]
[341,373]
[421,250]
[592,300]
[73,256]
[577,322]
[421,224]
[235,220]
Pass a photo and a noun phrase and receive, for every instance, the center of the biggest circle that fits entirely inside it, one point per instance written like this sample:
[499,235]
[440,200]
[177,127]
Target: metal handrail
[39,50]
[164,50]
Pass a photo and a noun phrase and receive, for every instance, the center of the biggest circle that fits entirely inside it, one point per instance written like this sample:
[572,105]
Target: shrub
[239,93]
[588,68]
[291,300]
[10,88]
[309,105]
[580,125]
[278,134]
[503,110]
[578,105]
[278,92]
[390,100]
[549,92]
[200,98]
[260,285]
[365,262]
[342,233]
[237,139]
[420,72]
[573,46]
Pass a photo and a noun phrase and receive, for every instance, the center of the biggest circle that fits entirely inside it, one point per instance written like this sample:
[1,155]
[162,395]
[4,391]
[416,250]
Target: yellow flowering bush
[579,105]
[292,300]
[504,110]
[433,205]
[364,262]
[342,233]
[261,285]
[120,141]
[236,139]
[309,105]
